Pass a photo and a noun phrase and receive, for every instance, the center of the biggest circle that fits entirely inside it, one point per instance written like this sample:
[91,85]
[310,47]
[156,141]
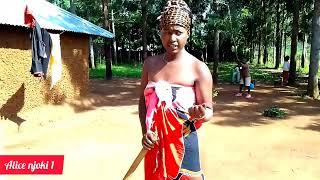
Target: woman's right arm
[142,104]
[148,137]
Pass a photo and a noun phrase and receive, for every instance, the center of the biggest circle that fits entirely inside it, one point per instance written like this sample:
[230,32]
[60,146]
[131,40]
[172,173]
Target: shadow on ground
[313,127]
[10,110]
[235,111]
[116,92]
[229,110]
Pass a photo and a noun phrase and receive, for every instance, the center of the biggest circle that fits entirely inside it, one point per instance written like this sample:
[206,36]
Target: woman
[175,99]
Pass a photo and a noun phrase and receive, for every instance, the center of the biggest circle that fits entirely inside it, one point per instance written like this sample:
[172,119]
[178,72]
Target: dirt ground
[100,135]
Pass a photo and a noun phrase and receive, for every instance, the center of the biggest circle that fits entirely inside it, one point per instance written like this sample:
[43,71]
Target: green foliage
[130,71]
[274,112]
[134,71]
[65,4]
[305,70]
[226,69]
[242,24]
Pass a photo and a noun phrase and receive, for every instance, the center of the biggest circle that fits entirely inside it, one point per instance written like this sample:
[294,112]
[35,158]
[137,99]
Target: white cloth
[55,60]
[286,66]
[247,81]
[164,93]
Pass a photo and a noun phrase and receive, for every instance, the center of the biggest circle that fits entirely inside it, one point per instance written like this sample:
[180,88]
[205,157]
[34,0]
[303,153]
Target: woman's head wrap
[176,12]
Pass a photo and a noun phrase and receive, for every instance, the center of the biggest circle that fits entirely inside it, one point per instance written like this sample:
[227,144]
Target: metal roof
[48,16]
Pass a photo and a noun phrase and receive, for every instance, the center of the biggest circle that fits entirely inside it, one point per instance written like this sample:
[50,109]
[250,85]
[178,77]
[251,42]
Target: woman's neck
[173,57]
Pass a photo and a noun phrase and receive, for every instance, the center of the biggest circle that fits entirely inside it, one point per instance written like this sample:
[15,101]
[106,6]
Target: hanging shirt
[55,60]
[41,50]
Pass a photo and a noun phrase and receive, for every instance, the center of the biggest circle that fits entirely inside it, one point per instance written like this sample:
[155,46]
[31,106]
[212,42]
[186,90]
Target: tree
[72,6]
[105,5]
[294,42]
[278,37]
[144,4]
[216,56]
[313,89]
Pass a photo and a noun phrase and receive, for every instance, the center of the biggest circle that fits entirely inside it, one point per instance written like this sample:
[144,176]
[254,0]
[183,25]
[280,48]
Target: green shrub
[274,112]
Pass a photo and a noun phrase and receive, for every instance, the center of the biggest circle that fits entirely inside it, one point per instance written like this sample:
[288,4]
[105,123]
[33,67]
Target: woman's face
[174,38]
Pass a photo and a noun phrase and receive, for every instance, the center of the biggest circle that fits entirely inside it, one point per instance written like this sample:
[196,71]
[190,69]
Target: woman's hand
[149,139]
[197,112]
[200,112]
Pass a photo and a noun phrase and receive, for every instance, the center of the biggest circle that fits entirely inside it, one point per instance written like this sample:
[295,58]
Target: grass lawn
[125,70]
[224,72]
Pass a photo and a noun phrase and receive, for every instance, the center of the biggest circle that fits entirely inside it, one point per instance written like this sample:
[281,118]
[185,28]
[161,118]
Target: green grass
[130,71]
[225,73]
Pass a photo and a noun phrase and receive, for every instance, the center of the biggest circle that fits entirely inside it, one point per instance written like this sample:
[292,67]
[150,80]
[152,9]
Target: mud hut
[19,89]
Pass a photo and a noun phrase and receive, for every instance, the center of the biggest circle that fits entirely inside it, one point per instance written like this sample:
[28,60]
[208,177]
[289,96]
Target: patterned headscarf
[176,12]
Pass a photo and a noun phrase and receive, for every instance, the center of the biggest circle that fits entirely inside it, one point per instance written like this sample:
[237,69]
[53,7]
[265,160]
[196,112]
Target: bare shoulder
[152,60]
[200,67]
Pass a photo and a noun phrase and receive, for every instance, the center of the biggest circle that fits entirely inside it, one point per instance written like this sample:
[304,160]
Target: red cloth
[28,18]
[285,76]
[164,160]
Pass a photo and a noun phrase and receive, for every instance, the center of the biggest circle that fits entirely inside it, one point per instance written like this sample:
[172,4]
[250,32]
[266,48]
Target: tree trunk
[303,56]
[107,56]
[121,53]
[251,52]
[215,57]
[313,89]
[260,35]
[274,49]
[265,54]
[115,56]
[205,50]
[265,38]
[285,45]
[278,37]
[282,52]
[144,4]
[91,53]
[259,49]
[294,42]
[92,63]
[129,49]
[72,6]
[221,52]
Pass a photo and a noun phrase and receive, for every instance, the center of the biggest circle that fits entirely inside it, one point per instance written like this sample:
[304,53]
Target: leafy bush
[274,112]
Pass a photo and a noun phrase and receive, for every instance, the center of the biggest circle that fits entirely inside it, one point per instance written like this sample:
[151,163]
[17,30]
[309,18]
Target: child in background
[236,74]
[286,69]
[245,79]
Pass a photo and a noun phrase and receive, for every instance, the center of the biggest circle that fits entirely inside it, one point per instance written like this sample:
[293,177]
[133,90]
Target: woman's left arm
[203,88]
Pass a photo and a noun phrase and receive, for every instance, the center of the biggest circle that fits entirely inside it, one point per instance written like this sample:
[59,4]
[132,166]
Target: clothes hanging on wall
[46,38]
[41,45]
[41,50]
[55,60]
[28,18]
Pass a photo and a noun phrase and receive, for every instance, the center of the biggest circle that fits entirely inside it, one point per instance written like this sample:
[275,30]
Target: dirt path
[100,135]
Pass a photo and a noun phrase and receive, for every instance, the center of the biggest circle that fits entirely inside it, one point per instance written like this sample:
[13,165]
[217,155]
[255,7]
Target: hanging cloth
[55,60]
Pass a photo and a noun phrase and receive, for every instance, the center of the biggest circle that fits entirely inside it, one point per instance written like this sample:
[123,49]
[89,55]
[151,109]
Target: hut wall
[20,90]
